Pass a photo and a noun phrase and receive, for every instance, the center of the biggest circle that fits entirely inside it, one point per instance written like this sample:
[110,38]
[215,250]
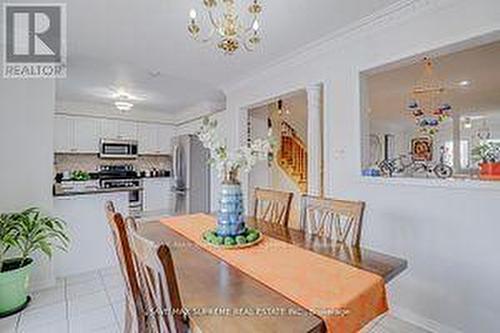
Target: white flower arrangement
[227,164]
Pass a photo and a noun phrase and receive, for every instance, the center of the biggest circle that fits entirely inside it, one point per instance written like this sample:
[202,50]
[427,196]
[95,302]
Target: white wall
[448,235]
[26,153]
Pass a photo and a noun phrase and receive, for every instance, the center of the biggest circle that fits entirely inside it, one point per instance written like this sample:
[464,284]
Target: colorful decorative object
[421,149]
[427,105]
[230,217]
[227,27]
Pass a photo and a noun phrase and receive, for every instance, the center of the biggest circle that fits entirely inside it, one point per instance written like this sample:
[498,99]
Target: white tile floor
[94,302]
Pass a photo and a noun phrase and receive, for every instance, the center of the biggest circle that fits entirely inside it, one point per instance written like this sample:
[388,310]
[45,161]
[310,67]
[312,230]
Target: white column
[456,143]
[314,139]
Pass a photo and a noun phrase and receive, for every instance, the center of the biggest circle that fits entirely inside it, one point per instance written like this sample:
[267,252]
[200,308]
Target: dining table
[212,288]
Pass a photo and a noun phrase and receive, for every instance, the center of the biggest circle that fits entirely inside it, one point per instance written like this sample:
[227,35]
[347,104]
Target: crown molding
[400,10]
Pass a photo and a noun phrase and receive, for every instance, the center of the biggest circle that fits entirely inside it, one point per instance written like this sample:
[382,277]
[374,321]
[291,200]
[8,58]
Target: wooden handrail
[293,156]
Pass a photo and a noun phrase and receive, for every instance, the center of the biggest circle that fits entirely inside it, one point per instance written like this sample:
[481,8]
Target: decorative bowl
[250,237]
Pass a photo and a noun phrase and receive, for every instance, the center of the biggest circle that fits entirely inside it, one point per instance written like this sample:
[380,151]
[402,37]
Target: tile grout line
[66,303]
[377,323]
[117,324]
[18,319]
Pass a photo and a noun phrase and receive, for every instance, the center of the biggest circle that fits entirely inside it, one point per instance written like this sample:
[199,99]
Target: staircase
[292,156]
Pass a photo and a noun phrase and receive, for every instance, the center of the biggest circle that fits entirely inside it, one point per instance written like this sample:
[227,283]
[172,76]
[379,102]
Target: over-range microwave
[119,149]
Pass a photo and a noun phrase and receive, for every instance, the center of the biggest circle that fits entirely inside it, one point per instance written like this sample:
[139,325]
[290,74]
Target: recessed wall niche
[434,116]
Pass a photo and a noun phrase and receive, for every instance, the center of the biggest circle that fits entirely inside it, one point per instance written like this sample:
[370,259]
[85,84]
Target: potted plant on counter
[21,235]
[487,154]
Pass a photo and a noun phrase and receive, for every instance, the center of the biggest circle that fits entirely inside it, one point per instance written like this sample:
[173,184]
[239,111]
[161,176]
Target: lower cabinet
[158,194]
[91,244]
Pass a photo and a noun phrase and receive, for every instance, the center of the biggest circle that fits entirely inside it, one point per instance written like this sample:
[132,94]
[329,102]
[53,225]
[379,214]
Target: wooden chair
[272,206]
[333,219]
[135,320]
[158,285]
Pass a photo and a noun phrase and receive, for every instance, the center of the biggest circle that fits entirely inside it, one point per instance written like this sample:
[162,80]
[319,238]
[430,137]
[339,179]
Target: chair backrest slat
[158,284]
[334,219]
[272,206]
[134,304]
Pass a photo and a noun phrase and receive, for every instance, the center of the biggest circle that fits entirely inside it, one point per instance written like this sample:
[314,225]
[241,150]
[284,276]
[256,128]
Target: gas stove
[123,176]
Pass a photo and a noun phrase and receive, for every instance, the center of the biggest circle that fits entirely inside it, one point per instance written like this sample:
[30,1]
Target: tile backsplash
[91,162]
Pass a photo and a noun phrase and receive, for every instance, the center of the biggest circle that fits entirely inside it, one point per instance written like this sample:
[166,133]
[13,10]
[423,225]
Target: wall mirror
[435,116]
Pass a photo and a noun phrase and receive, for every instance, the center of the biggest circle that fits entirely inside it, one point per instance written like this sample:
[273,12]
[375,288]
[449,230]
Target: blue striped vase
[230,217]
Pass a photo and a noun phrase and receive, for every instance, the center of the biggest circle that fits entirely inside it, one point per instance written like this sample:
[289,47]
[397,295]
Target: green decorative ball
[229,241]
[241,240]
[218,240]
[252,237]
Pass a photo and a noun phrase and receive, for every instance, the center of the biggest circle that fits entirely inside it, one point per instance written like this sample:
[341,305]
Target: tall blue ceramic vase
[230,217]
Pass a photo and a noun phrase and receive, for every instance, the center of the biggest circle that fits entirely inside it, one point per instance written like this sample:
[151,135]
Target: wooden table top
[207,283]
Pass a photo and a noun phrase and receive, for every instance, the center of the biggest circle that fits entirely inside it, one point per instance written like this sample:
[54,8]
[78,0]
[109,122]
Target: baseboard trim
[426,323]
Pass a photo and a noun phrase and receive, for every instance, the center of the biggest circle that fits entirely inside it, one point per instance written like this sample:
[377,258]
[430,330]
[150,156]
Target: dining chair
[135,320]
[272,206]
[158,285]
[334,219]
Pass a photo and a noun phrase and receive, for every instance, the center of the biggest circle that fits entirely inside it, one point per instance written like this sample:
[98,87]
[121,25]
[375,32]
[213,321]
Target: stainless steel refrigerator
[191,173]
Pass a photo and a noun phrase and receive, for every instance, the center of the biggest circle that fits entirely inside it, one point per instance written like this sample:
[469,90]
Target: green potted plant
[487,154]
[21,235]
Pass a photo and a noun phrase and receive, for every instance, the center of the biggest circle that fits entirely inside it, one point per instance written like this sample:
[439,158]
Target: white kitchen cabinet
[86,134]
[109,129]
[79,134]
[127,130]
[147,135]
[157,194]
[155,139]
[91,247]
[165,135]
[63,134]
[76,134]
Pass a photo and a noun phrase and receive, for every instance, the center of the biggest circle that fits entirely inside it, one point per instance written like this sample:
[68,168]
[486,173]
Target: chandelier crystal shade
[227,29]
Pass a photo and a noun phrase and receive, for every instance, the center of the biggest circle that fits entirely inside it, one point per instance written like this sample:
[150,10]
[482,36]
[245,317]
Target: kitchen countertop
[58,192]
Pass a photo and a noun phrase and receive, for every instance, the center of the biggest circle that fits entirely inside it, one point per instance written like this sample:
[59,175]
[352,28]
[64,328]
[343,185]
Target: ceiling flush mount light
[123,104]
[227,29]
[464,83]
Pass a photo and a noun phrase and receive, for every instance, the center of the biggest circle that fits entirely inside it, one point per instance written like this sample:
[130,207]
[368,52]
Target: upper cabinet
[64,141]
[109,129]
[147,134]
[86,134]
[74,134]
[155,139]
[165,135]
[127,130]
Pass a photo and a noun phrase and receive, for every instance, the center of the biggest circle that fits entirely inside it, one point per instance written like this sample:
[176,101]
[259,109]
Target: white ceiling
[117,44]
[389,91]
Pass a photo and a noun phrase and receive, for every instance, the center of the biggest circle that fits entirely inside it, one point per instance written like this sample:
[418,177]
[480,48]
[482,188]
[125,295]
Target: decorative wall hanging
[421,149]
[427,103]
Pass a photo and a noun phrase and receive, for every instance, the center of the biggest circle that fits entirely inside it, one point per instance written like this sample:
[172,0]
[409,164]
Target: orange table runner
[315,282]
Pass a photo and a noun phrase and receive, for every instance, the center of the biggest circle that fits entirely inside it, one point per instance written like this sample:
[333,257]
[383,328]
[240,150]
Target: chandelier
[227,29]
[427,105]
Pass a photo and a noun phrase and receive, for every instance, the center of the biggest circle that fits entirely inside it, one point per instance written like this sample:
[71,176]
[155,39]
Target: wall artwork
[421,149]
